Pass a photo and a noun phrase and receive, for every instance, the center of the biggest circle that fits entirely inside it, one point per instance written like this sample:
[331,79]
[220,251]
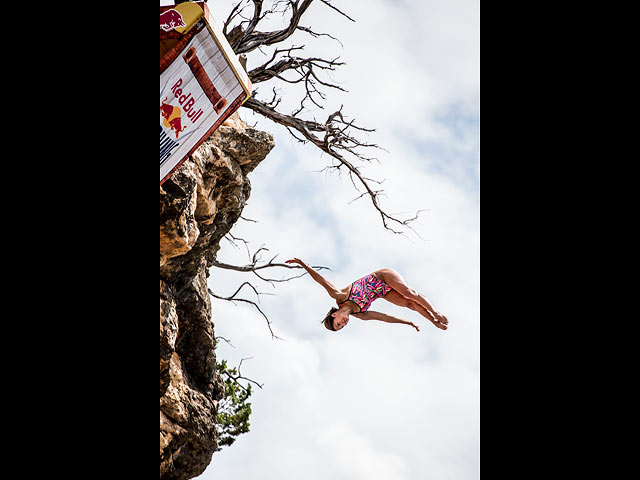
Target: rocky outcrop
[199,204]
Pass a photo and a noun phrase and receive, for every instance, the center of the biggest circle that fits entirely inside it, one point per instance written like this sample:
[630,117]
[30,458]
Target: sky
[373,401]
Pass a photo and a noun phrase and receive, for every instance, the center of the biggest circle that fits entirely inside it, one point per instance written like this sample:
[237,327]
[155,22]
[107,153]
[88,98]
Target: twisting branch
[304,70]
[233,299]
[336,136]
[226,340]
[328,3]
[254,267]
[232,240]
[235,375]
[252,39]
[316,35]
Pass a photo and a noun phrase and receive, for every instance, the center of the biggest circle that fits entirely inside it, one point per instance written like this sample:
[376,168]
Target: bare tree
[234,298]
[255,266]
[338,135]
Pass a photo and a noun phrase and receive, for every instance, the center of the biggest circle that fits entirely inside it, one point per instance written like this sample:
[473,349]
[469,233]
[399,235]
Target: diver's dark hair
[328,320]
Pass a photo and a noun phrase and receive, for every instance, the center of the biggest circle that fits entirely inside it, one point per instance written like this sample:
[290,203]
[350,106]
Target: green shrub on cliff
[234,409]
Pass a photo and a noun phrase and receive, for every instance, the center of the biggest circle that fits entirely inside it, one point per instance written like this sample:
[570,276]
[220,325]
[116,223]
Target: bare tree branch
[254,266]
[227,341]
[233,299]
[235,11]
[239,376]
[252,39]
[328,3]
[232,240]
[316,35]
[336,136]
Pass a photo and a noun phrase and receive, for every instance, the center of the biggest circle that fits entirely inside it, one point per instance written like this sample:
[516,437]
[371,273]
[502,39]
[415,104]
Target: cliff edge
[199,204]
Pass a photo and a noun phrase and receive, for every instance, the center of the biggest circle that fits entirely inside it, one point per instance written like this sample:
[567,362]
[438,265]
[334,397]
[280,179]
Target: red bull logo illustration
[171,19]
[172,117]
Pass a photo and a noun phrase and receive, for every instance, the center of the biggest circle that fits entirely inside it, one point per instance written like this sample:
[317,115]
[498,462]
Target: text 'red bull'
[187,102]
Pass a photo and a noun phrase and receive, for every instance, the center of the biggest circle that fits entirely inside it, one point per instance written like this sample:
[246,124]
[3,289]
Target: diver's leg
[397,299]
[395,281]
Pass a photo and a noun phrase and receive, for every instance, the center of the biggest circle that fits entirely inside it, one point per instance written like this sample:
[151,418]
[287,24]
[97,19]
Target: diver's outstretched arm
[383,317]
[328,286]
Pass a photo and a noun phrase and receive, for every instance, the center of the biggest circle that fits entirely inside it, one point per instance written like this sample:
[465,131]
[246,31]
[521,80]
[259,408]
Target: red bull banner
[201,82]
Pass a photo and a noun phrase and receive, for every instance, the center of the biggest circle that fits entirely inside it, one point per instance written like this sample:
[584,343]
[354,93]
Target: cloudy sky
[374,401]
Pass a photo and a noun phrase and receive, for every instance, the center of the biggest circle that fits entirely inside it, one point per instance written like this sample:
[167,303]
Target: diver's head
[336,319]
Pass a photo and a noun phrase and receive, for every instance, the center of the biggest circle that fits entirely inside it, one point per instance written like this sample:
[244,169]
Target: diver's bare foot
[441,326]
[441,318]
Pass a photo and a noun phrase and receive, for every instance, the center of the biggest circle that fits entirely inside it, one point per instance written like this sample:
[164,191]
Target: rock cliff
[198,206]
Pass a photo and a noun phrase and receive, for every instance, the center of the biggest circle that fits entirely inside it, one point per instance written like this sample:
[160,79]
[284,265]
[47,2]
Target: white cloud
[345,406]
[353,455]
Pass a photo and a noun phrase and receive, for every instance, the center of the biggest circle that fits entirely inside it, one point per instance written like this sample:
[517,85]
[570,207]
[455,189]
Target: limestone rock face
[199,204]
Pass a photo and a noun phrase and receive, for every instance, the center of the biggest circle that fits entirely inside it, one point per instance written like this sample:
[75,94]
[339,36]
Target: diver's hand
[296,260]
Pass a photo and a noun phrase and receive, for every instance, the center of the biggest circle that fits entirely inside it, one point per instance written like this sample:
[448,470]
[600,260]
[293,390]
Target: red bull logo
[172,117]
[171,19]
